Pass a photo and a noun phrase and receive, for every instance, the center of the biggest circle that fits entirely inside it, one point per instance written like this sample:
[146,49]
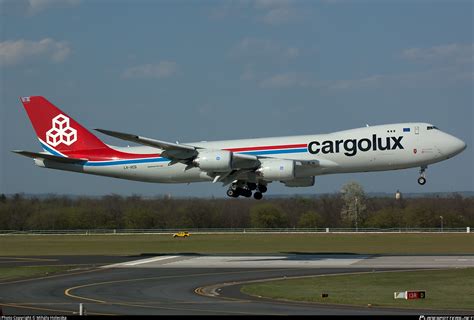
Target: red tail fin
[56,129]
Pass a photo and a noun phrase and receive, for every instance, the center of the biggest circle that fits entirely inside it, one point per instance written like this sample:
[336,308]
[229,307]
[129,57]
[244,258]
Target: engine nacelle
[300,182]
[214,160]
[276,169]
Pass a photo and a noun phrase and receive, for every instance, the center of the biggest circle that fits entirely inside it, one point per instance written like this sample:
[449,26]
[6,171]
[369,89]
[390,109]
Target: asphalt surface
[157,285]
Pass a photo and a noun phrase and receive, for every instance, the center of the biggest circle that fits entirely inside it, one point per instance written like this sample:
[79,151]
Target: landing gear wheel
[232,193]
[262,188]
[258,195]
[252,186]
[422,180]
[246,193]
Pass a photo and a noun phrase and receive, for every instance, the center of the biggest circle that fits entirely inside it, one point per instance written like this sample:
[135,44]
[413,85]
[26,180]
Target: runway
[193,284]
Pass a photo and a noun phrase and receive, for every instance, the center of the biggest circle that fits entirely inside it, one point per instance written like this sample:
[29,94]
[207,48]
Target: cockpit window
[432,128]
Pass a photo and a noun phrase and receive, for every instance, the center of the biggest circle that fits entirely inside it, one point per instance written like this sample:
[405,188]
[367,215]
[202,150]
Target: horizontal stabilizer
[37,155]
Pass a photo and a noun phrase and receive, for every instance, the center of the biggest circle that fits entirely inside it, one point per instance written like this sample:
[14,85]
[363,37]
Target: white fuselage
[397,146]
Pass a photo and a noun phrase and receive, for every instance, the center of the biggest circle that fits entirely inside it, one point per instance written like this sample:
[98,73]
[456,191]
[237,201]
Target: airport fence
[234,231]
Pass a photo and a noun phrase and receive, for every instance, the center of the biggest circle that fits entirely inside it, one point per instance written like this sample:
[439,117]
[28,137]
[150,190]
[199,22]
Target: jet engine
[214,160]
[276,169]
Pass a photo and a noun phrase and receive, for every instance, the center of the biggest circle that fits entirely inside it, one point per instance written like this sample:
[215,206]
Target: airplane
[247,166]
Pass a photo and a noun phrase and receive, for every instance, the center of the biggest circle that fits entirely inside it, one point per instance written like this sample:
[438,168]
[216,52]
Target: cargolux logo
[61,132]
[351,146]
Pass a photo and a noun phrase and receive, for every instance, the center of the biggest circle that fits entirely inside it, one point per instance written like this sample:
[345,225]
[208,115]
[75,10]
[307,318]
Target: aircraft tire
[232,193]
[252,186]
[421,180]
[246,193]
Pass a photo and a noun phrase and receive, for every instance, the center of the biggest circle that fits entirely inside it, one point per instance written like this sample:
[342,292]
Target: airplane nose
[454,145]
[462,145]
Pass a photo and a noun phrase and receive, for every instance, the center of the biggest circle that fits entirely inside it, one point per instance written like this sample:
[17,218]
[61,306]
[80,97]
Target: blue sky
[211,70]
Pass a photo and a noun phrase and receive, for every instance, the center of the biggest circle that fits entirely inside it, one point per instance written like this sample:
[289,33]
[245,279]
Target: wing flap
[321,163]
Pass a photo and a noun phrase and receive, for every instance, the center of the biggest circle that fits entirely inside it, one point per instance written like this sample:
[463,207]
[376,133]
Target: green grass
[29,245]
[445,289]
[15,273]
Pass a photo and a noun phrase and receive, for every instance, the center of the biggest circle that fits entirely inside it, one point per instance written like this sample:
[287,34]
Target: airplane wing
[177,152]
[184,153]
[173,151]
[37,155]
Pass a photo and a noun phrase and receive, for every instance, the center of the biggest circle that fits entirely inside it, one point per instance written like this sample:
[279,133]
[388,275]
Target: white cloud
[248,73]
[275,12]
[364,82]
[440,77]
[33,7]
[253,47]
[163,69]
[286,80]
[449,64]
[432,78]
[227,9]
[271,12]
[15,52]
[454,52]
[281,15]
[36,6]
[271,3]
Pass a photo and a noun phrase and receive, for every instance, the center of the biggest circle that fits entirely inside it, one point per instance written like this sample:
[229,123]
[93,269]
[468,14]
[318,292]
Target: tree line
[134,212]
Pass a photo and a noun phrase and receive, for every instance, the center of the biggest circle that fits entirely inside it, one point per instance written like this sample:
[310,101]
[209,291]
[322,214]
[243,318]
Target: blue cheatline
[159,159]
[118,162]
[136,161]
[50,150]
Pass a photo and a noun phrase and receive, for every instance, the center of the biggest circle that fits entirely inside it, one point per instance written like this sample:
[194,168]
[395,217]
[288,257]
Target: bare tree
[354,209]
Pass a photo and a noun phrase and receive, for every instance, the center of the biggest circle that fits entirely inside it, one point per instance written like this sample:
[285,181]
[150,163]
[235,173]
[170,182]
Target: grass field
[13,273]
[445,289]
[34,245]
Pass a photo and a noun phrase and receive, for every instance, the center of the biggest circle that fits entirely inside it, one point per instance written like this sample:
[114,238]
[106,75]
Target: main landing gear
[245,190]
[422,178]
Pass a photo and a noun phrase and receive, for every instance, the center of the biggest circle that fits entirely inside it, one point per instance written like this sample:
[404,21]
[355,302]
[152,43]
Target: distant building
[398,195]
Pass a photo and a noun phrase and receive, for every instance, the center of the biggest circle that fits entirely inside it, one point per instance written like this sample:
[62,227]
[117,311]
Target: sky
[212,70]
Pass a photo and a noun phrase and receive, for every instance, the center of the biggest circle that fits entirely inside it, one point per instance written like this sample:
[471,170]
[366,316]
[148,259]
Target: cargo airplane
[248,165]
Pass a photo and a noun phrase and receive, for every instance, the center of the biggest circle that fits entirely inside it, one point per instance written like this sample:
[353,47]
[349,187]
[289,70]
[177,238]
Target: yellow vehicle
[181,234]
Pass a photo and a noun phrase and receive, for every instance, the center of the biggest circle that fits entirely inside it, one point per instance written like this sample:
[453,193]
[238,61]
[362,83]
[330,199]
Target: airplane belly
[149,172]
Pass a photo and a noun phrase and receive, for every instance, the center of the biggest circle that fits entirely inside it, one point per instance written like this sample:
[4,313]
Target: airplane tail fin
[57,132]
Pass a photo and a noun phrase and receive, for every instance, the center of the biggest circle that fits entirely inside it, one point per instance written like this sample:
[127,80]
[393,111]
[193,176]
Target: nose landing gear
[422,178]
